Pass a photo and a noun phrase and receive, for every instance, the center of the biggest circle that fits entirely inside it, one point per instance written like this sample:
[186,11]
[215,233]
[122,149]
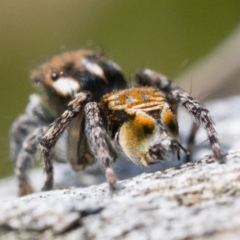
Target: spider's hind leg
[201,116]
[24,137]
[176,97]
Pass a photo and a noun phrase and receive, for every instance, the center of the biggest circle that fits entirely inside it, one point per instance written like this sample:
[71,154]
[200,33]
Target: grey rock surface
[198,200]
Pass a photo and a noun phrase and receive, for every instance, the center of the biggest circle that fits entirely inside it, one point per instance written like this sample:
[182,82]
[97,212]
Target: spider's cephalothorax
[68,82]
[86,101]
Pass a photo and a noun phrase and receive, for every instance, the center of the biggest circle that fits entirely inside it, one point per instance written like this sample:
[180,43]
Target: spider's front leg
[176,96]
[98,141]
[50,138]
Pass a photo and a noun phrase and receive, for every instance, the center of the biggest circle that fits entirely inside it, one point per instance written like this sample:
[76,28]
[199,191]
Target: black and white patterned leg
[52,135]
[98,141]
[201,116]
[25,160]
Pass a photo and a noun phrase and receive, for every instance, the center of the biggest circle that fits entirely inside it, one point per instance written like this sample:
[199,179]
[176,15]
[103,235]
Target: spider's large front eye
[54,76]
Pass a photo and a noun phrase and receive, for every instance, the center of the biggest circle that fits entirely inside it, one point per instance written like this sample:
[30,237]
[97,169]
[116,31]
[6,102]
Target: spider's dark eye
[54,76]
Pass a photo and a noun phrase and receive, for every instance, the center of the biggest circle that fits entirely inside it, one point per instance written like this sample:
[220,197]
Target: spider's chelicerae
[85,97]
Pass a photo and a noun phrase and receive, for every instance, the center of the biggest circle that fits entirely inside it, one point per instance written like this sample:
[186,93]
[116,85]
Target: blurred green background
[165,35]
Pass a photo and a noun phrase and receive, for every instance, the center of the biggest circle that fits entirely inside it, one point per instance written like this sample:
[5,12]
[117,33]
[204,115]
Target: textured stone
[196,200]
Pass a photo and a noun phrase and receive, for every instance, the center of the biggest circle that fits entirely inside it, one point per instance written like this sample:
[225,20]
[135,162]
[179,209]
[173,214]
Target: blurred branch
[218,74]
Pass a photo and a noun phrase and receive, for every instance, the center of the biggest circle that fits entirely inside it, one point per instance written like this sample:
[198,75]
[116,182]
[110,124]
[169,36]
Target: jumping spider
[85,97]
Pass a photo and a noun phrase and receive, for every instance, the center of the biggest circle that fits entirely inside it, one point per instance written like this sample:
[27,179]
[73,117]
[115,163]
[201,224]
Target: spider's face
[63,76]
[142,122]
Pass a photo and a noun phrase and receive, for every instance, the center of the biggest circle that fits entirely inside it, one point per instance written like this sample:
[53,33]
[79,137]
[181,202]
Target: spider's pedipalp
[98,142]
[52,135]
